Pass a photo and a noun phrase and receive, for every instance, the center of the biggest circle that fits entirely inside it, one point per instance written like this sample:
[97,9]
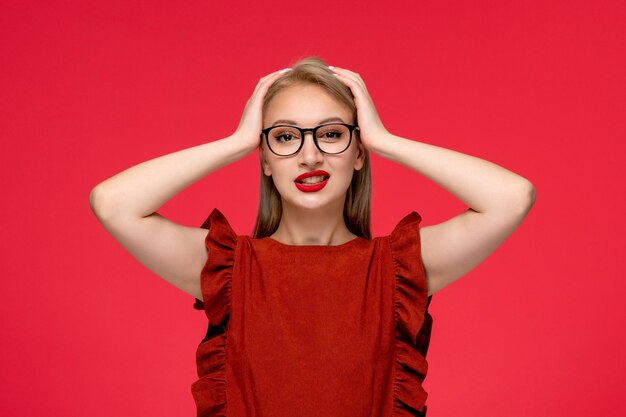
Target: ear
[265,166]
[360,158]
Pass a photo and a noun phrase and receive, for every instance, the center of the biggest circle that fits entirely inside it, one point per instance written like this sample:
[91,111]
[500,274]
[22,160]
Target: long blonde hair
[356,212]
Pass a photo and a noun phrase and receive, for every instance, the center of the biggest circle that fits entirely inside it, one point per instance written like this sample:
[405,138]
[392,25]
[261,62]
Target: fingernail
[284,70]
[331,67]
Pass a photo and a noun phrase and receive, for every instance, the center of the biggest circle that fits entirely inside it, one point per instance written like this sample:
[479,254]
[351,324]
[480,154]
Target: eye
[285,137]
[284,134]
[332,135]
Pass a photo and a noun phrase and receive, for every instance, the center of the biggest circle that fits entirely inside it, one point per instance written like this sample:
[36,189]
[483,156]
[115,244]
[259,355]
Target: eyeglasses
[331,138]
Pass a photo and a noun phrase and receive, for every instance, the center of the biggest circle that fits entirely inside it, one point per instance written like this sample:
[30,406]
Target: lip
[312,174]
[314,187]
[309,188]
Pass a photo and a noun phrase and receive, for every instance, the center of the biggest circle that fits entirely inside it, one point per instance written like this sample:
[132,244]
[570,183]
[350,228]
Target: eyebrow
[291,122]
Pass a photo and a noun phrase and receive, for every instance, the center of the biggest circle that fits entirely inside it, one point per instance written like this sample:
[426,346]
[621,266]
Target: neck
[318,226]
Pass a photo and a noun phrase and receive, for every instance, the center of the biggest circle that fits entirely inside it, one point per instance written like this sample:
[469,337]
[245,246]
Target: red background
[91,88]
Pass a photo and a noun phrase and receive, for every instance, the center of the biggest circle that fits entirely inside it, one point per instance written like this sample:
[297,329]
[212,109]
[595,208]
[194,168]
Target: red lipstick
[311,187]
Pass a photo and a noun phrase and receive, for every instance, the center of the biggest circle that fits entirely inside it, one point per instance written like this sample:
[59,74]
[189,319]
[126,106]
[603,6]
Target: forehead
[305,104]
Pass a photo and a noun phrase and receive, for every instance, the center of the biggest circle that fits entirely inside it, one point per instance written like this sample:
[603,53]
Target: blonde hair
[356,213]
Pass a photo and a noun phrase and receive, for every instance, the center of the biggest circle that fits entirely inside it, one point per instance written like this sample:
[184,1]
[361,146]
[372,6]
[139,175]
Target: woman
[311,316]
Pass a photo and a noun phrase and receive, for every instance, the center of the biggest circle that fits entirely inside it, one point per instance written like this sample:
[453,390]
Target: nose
[309,154]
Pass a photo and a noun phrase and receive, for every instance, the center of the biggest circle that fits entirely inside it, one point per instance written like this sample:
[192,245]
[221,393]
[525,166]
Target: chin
[313,200]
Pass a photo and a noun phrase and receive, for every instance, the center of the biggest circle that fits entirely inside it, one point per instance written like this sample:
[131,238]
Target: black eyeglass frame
[303,131]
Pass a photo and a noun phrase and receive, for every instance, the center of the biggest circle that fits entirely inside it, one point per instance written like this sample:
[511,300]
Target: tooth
[313,180]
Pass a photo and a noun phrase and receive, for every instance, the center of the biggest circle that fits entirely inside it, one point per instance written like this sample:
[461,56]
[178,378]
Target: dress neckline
[341,246]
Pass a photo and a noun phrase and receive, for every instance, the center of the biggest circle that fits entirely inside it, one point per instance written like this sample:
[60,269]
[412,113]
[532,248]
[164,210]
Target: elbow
[93,198]
[525,197]
[101,203]
[528,193]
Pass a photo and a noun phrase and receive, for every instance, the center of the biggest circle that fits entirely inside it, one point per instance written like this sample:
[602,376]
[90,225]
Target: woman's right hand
[251,123]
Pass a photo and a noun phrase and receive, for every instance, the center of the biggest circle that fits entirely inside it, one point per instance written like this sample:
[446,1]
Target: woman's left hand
[372,131]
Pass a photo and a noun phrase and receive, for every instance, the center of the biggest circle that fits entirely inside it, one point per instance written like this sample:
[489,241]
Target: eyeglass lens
[331,138]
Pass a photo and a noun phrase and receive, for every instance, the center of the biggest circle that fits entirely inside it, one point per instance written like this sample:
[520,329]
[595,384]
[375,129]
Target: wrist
[243,143]
[383,143]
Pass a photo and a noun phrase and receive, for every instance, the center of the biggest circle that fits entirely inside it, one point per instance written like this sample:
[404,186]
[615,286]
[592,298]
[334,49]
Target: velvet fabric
[333,331]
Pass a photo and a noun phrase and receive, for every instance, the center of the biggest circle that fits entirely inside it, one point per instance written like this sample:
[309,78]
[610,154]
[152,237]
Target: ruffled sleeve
[215,277]
[209,390]
[412,320]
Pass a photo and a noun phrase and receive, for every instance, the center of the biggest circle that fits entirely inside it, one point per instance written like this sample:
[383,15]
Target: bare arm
[140,190]
[126,203]
[498,199]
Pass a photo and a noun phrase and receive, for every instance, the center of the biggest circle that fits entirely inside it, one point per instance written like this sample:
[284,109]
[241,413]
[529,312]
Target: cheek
[344,173]
[281,174]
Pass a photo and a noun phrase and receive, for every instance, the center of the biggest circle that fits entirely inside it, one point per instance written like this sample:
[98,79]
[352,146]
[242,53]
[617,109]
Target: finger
[264,80]
[269,78]
[356,87]
[350,74]
[276,73]
[343,71]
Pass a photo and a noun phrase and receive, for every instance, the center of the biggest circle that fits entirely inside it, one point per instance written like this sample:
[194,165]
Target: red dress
[313,330]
